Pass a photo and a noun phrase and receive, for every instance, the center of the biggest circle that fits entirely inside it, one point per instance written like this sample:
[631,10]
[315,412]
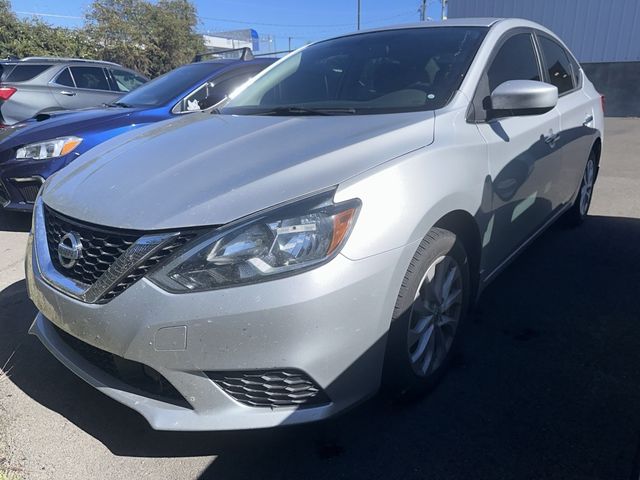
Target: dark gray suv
[37,85]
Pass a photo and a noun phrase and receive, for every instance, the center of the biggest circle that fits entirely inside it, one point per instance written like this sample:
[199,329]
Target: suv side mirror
[523,97]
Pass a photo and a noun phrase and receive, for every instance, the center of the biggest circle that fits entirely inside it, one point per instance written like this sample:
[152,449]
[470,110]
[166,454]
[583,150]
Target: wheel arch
[464,225]
[597,149]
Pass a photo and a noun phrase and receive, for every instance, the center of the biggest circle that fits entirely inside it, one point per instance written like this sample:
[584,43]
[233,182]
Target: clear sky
[302,20]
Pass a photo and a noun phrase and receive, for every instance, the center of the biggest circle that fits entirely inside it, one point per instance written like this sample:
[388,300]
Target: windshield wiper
[295,110]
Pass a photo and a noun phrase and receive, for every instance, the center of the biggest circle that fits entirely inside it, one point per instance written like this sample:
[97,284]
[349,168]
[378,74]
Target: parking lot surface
[546,384]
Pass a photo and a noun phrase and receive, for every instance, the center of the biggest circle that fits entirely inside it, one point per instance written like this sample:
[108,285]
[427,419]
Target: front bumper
[20,180]
[329,323]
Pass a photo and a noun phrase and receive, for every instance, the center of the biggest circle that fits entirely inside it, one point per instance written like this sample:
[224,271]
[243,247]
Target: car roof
[57,60]
[453,22]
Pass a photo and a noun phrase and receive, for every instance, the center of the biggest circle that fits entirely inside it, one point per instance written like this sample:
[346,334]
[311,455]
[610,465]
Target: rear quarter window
[24,73]
[559,68]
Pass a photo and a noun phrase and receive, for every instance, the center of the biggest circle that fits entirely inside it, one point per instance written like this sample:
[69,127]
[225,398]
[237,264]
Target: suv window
[23,73]
[557,65]
[65,79]
[213,92]
[516,60]
[5,70]
[90,77]
[126,81]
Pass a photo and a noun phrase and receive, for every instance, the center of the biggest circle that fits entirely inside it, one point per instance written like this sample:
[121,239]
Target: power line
[328,27]
[54,15]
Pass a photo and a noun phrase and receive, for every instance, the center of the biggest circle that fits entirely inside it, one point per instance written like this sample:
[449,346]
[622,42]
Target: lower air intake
[142,379]
[271,388]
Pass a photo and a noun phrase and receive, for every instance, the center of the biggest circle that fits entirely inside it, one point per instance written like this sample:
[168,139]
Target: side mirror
[523,97]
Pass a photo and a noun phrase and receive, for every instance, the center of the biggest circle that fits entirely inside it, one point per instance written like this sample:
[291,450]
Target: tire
[576,215]
[426,324]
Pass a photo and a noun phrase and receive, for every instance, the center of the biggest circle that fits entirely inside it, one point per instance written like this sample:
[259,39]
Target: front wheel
[578,211]
[431,305]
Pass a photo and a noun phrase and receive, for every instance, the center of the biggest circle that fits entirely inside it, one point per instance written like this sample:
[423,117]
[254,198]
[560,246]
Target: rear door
[523,159]
[576,114]
[82,87]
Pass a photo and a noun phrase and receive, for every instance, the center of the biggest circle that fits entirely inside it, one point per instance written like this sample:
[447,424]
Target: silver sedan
[322,233]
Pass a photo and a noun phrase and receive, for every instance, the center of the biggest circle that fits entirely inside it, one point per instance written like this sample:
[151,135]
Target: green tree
[152,38]
[173,37]
[32,37]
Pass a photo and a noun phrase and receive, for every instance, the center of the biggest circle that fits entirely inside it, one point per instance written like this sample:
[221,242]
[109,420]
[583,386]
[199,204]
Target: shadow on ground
[14,221]
[546,385]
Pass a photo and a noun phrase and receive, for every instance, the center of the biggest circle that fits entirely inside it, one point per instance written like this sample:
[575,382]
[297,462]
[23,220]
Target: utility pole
[444,9]
[289,43]
[423,10]
[358,14]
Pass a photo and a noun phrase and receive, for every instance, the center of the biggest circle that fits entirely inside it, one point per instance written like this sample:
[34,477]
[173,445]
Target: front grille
[101,247]
[4,195]
[29,189]
[148,265]
[271,388]
[141,379]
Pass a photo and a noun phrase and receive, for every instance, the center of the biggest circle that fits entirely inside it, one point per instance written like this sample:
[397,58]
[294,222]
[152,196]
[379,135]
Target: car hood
[59,124]
[211,169]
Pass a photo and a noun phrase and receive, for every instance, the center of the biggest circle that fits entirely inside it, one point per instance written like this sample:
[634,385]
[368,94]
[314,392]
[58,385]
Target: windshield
[165,88]
[380,72]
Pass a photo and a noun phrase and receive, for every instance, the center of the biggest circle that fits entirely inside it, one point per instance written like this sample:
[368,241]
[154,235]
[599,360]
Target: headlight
[49,149]
[276,243]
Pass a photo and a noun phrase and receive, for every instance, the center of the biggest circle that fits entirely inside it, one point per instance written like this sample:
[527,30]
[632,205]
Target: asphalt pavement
[546,384]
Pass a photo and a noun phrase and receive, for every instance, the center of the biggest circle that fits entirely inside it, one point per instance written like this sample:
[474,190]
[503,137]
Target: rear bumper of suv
[292,350]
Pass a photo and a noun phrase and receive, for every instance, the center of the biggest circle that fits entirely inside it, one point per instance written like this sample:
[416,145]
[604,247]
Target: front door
[522,154]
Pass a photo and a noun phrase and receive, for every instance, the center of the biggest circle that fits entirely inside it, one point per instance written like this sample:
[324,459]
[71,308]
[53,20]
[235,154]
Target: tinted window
[5,70]
[378,72]
[165,88]
[90,77]
[557,65]
[64,78]
[213,92]
[516,60]
[23,73]
[126,81]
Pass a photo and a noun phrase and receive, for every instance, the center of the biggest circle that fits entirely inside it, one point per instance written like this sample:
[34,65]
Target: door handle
[587,120]
[551,138]
[67,93]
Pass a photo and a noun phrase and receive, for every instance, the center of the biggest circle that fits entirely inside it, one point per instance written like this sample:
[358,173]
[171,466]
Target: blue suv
[31,151]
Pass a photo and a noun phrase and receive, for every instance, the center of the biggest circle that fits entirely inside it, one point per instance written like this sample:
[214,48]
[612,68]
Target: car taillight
[602,102]
[6,92]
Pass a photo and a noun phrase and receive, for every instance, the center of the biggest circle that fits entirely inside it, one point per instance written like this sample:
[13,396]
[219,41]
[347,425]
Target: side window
[126,81]
[90,77]
[516,60]
[212,92]
[64,78]
[24,73]
[557,64]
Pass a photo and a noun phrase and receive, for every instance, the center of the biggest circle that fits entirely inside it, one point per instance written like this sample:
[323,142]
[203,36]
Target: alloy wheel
[435,315]
[586,190]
